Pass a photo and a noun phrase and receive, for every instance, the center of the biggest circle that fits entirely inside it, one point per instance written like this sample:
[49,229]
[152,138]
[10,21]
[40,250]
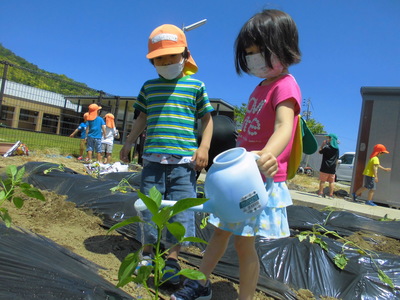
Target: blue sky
[345,45]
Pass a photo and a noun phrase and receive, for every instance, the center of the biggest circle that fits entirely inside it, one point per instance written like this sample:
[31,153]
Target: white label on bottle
[250,203]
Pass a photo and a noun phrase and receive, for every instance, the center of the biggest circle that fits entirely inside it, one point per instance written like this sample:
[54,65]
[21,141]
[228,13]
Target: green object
[333,142]
[310,144]
[303,142]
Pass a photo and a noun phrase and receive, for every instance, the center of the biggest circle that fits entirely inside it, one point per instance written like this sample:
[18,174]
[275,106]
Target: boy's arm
[376,173]
[201,154]
[321,148]
[103,128]
[140,125]
[384,169]
[75,132]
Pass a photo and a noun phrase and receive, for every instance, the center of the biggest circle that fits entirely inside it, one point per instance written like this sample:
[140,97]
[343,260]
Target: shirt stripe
[172,108]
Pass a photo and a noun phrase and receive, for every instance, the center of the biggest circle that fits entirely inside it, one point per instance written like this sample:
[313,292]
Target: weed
[340,259]
[10,186]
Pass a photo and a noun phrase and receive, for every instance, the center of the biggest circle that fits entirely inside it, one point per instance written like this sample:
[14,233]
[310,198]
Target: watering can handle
[269,180]
[256,156]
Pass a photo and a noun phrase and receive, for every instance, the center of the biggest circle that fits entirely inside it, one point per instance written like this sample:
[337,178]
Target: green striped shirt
[172,108]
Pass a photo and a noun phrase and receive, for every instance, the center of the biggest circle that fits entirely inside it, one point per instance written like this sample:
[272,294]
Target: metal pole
[3,85]
[194,25]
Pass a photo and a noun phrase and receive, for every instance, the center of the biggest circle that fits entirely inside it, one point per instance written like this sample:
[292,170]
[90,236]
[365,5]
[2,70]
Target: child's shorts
[93,144]
[272,223]
[325,177]
[369,183]
[106,148]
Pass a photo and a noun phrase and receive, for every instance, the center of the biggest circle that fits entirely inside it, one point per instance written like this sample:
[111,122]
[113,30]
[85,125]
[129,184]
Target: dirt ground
[82,233]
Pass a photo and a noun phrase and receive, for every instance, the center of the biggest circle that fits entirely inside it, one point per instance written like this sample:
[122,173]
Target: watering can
[234,186]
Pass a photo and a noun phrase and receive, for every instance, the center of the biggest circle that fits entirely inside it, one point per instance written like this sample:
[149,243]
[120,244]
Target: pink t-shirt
[259,121]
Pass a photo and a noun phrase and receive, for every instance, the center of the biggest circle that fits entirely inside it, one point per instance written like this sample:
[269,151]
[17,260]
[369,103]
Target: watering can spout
[140,206]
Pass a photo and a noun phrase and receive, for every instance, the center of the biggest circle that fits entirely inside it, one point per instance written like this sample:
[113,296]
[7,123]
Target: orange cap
[109,120]
[93,108]
[85,115]
[168,39]
[378,148]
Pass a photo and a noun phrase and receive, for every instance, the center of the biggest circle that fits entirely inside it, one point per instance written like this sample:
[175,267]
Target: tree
[314,126]
[240,111]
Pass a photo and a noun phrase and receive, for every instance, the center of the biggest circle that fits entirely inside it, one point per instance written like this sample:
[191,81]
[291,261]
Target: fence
[42,110]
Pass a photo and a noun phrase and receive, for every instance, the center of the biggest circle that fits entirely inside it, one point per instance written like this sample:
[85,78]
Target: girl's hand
[388,169]
[267,163]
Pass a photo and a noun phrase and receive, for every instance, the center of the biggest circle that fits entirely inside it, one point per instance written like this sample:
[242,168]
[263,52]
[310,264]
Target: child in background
[82,129]
[95,131]
[330,155]
[169,107]
[108,142]
[265,47]
[371,174]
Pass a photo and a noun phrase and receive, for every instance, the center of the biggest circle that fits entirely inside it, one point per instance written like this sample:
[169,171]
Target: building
[29,108]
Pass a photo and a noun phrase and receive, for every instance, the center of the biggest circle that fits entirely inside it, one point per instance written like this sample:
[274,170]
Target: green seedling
[204,221]
[160,221]
[60,168]
[124,186]
[12,184]
[385,218]
[340,259]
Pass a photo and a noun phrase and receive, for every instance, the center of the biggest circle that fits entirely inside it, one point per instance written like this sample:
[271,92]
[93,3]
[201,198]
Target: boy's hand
[267,163]
[388,169]
[123,154]
[201,158]
[376,179]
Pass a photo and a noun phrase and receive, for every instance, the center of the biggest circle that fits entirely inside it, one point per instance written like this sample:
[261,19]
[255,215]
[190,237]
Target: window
[347,159]
[24,114]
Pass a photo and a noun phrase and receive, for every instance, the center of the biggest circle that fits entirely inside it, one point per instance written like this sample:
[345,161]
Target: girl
[265,47]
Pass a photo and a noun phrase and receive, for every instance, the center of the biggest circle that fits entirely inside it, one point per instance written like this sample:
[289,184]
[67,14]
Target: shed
[380,124]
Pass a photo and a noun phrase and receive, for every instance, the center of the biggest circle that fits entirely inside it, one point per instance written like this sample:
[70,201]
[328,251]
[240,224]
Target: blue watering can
[234,186]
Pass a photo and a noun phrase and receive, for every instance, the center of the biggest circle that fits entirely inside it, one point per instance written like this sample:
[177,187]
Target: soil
[83,234]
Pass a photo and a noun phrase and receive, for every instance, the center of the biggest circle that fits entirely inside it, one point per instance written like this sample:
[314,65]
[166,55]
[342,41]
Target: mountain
[24,72]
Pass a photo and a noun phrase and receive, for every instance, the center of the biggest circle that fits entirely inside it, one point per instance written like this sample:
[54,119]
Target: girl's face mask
[258,66]
[171,71]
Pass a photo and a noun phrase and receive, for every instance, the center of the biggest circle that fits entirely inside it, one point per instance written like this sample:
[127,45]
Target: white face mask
[258,66]
[171,71]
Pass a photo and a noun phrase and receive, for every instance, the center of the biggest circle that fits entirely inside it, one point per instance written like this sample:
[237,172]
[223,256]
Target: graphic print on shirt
[252,124]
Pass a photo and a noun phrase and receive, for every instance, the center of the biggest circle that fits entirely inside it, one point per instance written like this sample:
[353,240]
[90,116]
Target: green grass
[50,143]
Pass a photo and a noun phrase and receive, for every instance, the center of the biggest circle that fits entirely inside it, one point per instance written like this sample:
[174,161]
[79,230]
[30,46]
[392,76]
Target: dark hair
[274,32]
[185,55]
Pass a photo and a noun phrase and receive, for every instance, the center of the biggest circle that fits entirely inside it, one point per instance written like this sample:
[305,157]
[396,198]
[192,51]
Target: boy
[169,106]
[82,129]
[95,130]
[371,174]
[330,155]
[108,141]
